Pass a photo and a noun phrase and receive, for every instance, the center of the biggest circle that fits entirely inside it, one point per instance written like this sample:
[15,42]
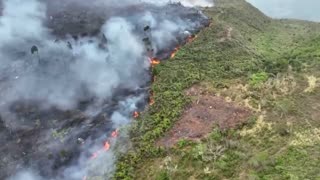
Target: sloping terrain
[72,74]
[270,67]
[207,111]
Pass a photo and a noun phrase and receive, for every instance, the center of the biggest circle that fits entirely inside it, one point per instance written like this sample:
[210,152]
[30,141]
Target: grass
[266,66]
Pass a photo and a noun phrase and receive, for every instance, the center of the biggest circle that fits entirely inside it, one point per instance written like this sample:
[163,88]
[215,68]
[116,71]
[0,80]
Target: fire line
[136,114]
[153,61]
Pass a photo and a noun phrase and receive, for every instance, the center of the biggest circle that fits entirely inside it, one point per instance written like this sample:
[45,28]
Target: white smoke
[200,3]
[16,12]
[103,165]
[98,70]
[189,3]
[36,67]
[26,175]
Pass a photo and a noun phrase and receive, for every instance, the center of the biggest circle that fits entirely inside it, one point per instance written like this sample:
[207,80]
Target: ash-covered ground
[71,73]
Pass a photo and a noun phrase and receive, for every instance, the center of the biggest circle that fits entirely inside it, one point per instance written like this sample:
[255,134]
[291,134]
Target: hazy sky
[298,9]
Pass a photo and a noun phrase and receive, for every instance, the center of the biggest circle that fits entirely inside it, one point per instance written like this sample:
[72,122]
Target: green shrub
[258,78]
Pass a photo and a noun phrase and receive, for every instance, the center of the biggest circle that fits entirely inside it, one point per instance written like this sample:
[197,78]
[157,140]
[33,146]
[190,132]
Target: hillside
[261,75]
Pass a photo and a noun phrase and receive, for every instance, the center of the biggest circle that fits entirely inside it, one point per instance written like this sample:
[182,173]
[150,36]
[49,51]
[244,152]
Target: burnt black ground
[21,148]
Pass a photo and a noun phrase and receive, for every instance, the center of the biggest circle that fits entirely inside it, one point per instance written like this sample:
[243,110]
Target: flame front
[136,114]
[191,38]
[154,61]
[106,146]
[173,54]
[115,133]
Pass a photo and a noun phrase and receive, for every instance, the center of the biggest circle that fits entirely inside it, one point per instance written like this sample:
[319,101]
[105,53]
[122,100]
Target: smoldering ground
[71,72]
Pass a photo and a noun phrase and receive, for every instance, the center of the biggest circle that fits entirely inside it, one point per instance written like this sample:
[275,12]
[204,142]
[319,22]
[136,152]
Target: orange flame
[115,133]
[136,114]
[106,146]
[191,38]
[154,61]
[173,54]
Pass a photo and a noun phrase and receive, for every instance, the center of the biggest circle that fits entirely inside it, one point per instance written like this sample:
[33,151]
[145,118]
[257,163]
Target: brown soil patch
[226,35]
[204,113]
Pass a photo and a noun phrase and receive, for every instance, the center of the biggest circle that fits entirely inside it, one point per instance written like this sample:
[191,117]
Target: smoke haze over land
[69,76]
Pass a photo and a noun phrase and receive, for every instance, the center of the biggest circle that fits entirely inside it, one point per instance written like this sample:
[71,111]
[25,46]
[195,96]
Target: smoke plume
[71,75]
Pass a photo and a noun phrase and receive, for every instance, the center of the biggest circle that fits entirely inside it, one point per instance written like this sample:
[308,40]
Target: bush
[258,78]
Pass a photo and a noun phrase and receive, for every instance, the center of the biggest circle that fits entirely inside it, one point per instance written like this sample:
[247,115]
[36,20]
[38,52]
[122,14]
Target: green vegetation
[258,78]
[269,66]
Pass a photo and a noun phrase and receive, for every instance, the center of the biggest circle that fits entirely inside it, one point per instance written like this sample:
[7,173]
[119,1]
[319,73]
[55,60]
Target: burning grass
[154,61]
[100,72]
[246,69]
[106,145]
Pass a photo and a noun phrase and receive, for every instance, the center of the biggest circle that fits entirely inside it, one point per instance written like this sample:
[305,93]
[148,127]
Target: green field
[268,66]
